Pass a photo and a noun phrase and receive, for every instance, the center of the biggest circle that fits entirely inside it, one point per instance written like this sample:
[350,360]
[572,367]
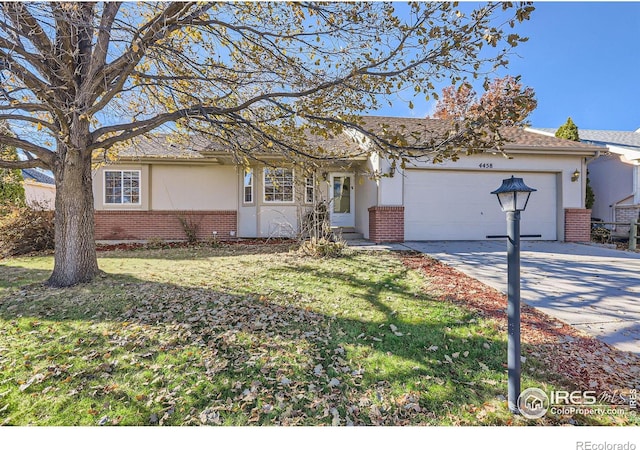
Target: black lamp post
[513,196]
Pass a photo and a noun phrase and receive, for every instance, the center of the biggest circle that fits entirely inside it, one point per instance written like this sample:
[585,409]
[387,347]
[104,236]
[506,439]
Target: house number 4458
[486,165]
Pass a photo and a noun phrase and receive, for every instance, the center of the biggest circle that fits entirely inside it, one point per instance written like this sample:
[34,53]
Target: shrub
[600,234]
[315,222]
[190,227]
[322,248]
[26,230]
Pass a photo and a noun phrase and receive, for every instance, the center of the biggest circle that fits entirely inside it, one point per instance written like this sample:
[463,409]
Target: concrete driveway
[594,289]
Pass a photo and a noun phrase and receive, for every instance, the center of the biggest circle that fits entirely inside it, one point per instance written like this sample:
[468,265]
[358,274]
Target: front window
[248,186]
[122,186]
[278,185]
[309,189]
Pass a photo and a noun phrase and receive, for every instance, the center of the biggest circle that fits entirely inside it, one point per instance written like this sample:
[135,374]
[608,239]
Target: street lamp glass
[513,195]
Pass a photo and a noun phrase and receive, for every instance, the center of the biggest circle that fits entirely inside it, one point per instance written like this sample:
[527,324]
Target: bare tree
[80,79]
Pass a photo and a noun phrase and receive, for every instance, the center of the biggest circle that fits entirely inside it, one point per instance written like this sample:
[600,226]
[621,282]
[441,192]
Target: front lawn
[242,335]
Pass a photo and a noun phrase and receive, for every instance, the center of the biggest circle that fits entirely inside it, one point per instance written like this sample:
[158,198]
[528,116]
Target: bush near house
[25,230]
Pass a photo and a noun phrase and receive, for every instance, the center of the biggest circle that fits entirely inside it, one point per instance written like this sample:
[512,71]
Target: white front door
[342,200]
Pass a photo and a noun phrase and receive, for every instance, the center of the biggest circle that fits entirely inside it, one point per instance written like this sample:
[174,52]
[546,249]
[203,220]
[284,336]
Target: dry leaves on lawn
[587,362]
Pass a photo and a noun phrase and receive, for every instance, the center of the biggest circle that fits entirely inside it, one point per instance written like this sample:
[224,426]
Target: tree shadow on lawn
[140,352]
[14,276]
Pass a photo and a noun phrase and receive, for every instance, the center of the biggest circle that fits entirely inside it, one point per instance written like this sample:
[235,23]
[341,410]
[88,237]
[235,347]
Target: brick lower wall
[625,214]
[386,224]
[134,225]
[577,225]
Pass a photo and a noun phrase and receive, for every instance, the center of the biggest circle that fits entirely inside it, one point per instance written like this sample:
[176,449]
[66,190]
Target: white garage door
[458,205]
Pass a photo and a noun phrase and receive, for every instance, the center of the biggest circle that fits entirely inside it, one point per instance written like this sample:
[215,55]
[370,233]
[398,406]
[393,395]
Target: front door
[342,200]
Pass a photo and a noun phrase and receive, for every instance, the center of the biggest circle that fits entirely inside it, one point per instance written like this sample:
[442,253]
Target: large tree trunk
[75,252]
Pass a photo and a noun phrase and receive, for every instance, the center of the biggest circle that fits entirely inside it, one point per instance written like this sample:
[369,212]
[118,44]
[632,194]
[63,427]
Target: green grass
[243,335]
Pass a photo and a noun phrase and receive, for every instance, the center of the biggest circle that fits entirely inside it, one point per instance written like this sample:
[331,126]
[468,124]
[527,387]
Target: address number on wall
[485,165]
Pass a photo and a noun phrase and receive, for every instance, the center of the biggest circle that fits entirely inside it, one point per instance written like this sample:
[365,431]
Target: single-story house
[614,175]
[146,192]
[39,189]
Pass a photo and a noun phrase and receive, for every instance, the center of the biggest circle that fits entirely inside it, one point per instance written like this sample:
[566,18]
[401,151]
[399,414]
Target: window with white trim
[310,189]
[278,185]
[122,187]
[248,186]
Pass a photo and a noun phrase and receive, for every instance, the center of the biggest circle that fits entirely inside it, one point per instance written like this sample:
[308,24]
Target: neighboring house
[614,175]
[39,189]
[148,189]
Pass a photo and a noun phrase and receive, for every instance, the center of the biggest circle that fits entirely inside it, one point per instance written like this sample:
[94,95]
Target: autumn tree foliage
[455,102]
[80,79]
[505,101]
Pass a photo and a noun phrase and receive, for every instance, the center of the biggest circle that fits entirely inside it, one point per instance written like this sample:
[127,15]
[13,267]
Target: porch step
[347,233]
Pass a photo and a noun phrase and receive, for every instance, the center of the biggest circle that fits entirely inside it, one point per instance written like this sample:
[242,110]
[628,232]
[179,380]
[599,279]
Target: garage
[458,205]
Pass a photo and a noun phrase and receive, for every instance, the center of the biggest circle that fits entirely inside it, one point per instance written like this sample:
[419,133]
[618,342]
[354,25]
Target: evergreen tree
[570,131]
[11,187]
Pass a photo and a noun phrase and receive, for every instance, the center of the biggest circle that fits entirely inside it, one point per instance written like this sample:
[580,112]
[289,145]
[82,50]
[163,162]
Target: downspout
[585,170]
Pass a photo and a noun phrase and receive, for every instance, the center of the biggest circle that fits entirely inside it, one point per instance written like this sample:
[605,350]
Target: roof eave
[524,149]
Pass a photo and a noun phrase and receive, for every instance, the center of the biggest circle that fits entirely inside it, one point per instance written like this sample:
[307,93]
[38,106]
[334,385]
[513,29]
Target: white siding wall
[611,181]
[39,194]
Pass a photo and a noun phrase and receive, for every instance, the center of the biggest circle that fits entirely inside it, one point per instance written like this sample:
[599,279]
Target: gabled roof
[36,175]
[626,143]
[166,146]
[187,147]
[518,138]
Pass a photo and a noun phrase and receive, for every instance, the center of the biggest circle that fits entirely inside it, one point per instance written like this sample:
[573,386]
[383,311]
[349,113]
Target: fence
[596,226]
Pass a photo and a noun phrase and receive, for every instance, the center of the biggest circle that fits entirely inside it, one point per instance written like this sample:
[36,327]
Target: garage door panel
[458,205]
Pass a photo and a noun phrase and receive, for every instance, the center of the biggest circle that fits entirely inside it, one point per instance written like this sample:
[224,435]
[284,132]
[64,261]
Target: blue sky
[583,61]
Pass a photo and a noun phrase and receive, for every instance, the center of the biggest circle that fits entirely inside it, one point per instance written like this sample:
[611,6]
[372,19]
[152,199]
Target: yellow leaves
[39,126]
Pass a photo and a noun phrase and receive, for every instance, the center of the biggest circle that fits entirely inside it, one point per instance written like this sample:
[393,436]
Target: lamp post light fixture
[513,197]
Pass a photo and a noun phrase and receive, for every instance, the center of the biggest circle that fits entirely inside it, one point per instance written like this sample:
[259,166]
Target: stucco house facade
[39,189]
[145,192]
[614,174]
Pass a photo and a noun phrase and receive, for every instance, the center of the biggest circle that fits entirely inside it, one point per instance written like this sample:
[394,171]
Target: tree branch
[121,68]
[30,119]
[47,156]
[27,164]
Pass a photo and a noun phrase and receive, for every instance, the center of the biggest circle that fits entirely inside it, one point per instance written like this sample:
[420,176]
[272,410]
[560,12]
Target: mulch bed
[584,360]
[185,244]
